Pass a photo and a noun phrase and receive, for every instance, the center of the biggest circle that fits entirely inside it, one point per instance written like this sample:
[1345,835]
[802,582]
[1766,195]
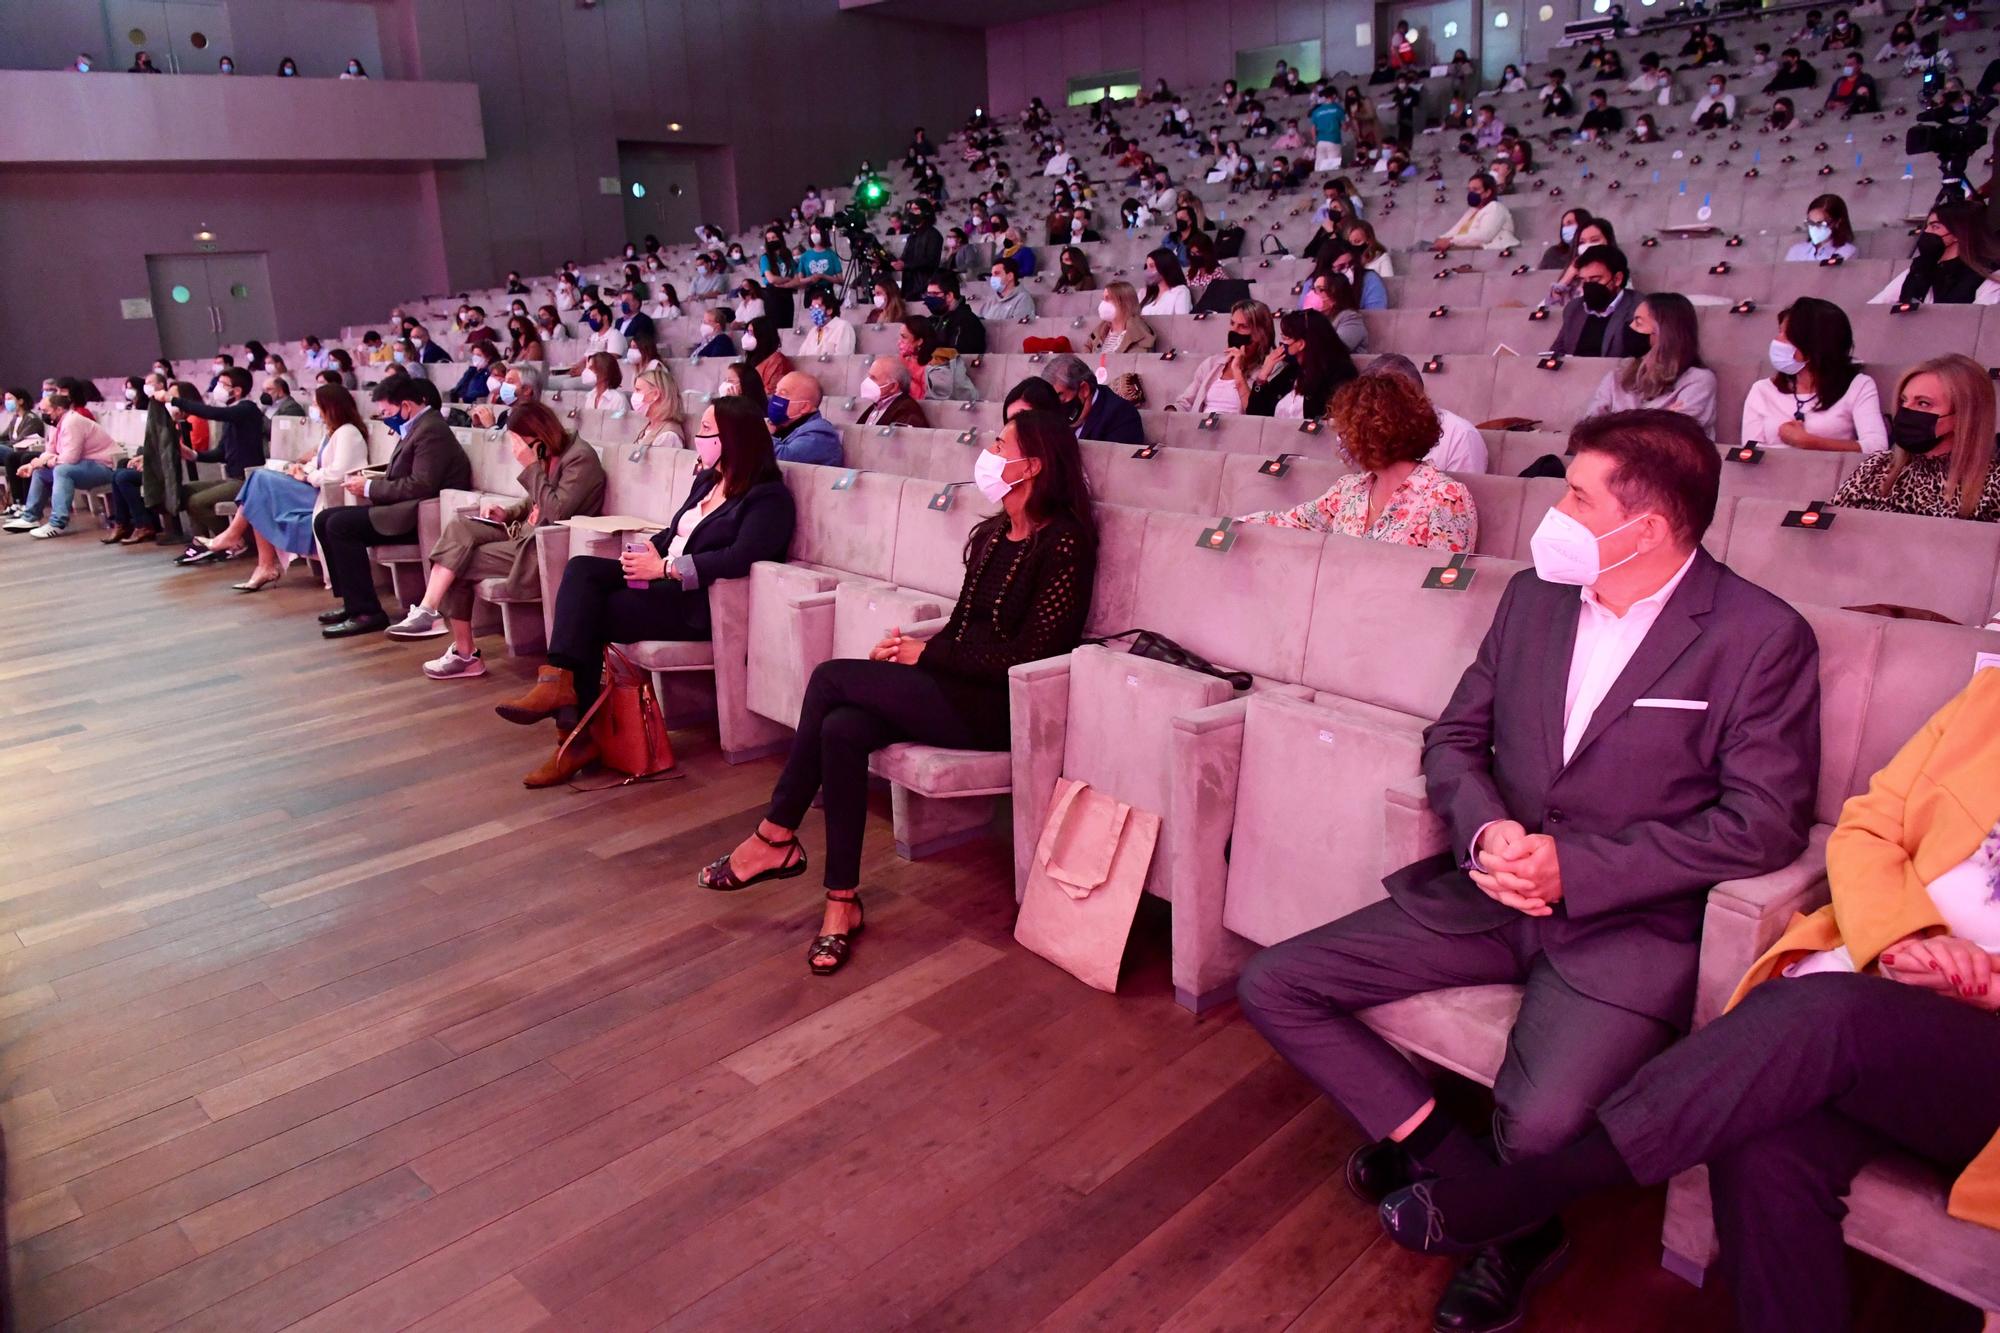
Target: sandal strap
[852,896]
[834,946]
[792,841]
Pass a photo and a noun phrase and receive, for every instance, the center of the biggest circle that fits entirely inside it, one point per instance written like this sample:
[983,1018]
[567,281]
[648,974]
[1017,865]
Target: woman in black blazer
[738,513]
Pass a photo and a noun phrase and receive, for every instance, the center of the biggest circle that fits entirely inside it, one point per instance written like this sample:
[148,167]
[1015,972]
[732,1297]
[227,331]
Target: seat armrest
[926,629]
[1745,917]
[552,549]
[1206,747]
[1411,830]
[1038,700]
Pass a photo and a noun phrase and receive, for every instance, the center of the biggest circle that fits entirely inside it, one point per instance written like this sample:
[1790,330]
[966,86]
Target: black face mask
[1930,247]
[1073,409]
[1637,343]
[1238,339]
[1913,431]
[1597,297]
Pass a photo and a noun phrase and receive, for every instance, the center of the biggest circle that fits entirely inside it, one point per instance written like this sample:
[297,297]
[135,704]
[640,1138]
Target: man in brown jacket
[888,386]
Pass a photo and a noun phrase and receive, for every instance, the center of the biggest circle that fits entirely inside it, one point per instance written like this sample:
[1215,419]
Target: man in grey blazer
[1640,724]
[428,460]
[1600,323]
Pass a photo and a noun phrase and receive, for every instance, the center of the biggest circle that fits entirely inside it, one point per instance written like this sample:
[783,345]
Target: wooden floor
[312,1015]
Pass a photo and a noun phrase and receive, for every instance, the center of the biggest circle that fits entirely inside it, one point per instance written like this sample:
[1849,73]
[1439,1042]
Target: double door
[203,302]
[182,36]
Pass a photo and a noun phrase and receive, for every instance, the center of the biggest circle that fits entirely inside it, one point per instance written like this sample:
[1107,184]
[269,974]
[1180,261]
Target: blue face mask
[594,322]
[818,316]
[997,284]
[508,391]
[778,409]
[934,304]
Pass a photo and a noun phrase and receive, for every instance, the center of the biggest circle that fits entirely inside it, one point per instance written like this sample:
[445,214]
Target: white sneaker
[47,530]
[420,622]
[24,523]
[453,666]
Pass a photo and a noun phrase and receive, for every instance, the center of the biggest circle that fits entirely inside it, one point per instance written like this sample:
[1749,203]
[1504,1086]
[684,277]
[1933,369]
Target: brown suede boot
[553,690]
[563,765]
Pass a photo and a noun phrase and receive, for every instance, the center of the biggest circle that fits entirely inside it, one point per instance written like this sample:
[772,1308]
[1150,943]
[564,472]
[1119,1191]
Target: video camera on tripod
[1953,131]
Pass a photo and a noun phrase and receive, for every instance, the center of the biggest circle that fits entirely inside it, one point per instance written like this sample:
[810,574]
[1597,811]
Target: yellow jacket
[1925,812]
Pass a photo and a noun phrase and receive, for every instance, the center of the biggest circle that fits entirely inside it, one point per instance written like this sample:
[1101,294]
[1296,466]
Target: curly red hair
[1384,419]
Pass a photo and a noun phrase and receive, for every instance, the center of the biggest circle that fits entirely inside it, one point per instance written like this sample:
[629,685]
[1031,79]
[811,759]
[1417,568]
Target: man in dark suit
[1099,414]
[634,322]
[1640,725]
[1600,324]
[889,398]
[428,459]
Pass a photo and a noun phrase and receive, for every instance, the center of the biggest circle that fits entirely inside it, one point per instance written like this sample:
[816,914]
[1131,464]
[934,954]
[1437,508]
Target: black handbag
[1146,643]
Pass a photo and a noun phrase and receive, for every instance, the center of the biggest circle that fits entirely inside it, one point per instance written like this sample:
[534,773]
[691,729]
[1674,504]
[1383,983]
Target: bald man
[887,393]
[802,434]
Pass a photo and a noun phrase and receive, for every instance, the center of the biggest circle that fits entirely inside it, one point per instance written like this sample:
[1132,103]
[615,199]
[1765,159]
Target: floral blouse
[1429,509]
[1919,489]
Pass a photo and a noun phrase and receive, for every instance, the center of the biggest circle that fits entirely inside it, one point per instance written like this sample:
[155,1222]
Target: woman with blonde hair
[1120,327]
[657,397]
[1222,382]
[1940,462]
[1669,374]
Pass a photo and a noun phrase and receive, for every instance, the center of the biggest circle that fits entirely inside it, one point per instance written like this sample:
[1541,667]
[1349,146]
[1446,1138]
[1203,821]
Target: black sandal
[718,876]
[836,947]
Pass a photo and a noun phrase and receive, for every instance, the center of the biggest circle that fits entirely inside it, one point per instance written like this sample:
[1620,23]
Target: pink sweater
[79,439]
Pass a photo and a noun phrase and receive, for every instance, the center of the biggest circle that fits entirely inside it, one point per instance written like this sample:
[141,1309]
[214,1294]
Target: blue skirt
[281,508]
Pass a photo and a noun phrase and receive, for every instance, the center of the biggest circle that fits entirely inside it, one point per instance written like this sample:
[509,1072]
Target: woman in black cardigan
[1028,576]
[738,513]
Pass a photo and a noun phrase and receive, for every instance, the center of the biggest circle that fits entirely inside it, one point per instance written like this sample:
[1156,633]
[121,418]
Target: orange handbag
[626,723]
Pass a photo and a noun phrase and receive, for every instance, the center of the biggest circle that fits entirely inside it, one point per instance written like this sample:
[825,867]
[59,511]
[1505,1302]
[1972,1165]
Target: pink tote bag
[1083,891]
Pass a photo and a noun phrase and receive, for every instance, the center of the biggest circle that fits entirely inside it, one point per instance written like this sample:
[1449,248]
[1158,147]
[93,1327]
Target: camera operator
[923,247]
[1952,128]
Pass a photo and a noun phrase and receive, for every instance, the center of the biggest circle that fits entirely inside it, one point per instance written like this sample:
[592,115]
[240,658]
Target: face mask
[881,303]
[229,69]
[1930,246]
[708,448]
[934,304]
[989,474]
[778,409]
[354,69]
[869,391]
[1569,234]
[131,395]
[1637,343]
[509,391]
[1565,551]
[633,356]
[749,341]
[997,284]
[1785,358]
[401,357]
[589,376]
[315,413]
[1715,90]
[1819,233]
[83,66]
[1854,71]
[1913,431]
[818,316]
[1597,297]
[1320,301]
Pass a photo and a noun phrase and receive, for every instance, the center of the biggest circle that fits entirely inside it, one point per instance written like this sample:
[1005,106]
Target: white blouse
[1857,416]
[1805,252]
[1967,897]
[1173,301]
[344,451]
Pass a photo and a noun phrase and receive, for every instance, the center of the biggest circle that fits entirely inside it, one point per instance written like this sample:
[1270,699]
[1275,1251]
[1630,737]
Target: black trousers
[853,708]
[1566,1053]
[11,458]
[1787,1097]
[345,534]
[594,607]
[128,503]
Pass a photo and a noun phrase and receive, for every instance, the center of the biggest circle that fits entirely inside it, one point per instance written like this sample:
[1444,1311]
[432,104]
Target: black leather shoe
[1490,1293]
[348,629]
[333,617]
[1377,1170]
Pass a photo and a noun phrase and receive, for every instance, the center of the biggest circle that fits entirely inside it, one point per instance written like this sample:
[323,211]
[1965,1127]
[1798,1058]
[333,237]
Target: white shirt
[1460,446]
[1604,647]
[1857,416]
[1965,899]
[1805,252]
[1172,301]
[1727,101]
[1057,165]
[835,338]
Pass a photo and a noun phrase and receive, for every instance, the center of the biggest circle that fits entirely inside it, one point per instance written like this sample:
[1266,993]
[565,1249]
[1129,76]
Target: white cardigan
[344,451]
